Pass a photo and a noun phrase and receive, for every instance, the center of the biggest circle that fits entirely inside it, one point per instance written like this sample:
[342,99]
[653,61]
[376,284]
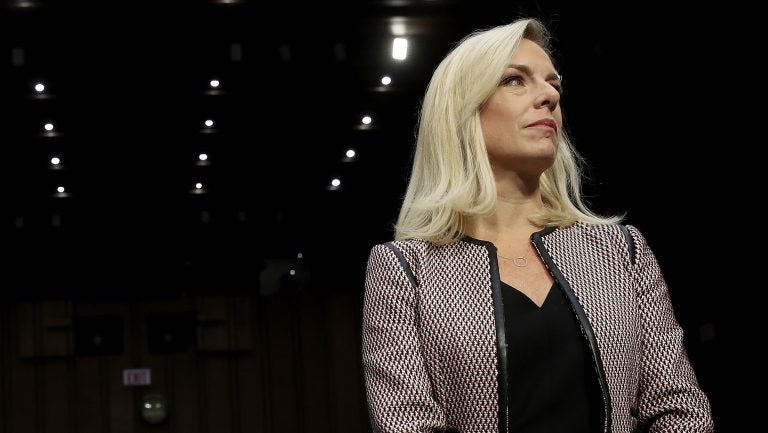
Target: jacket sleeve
[669,397]
[397,384]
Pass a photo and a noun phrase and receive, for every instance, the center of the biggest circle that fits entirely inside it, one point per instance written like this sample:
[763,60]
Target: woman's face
[521,120]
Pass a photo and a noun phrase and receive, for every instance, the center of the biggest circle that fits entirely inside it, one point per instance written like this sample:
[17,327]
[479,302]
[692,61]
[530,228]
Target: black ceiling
[127,91]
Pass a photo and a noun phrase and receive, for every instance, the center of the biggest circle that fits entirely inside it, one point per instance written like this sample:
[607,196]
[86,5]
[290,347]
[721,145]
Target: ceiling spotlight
[385,80]
[203,156]
[350,153]
[209,123]
[60,189]
[55,161]
[399,48]
[299,255]
[367,120]
[215,83]
[292,272]
[198,185]
[39,87]
[48,126]
[335,182]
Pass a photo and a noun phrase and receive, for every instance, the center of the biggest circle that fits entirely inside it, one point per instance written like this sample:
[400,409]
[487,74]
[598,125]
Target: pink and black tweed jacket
[434,352]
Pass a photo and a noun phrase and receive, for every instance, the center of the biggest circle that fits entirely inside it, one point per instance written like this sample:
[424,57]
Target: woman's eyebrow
[527,70]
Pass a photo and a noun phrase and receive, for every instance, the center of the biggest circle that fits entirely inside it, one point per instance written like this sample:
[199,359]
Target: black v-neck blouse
[553,386]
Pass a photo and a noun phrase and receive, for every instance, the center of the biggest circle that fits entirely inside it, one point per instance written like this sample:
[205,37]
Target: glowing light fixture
[399,48]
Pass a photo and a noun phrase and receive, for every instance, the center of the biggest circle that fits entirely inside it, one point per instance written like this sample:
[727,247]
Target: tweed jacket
[434,350]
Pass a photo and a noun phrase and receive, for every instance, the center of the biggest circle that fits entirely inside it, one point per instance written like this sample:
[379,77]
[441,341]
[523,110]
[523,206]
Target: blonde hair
[451,178]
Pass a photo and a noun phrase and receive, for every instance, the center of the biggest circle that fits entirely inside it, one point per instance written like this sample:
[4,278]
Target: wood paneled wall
[289,362]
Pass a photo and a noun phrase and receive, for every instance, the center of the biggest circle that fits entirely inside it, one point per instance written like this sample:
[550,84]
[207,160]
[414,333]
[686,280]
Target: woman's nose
[547,96]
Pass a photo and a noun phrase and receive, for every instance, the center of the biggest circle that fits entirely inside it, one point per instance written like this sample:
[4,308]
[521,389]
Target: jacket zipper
[586,328]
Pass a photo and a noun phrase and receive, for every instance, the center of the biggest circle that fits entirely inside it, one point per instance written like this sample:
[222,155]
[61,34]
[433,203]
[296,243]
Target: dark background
[646,101]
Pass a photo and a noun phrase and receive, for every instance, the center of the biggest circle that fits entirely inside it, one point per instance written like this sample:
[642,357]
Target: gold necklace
[519,261]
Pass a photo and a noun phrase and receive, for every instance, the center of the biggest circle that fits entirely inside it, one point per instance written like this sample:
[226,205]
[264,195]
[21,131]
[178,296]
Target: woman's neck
[515,206]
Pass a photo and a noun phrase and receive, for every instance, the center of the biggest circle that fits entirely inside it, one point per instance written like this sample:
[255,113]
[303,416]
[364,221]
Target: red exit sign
[137,376]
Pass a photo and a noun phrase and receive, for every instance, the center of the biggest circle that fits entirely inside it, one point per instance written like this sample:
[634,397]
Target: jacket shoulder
[405,253]
[409,249]
[620,238]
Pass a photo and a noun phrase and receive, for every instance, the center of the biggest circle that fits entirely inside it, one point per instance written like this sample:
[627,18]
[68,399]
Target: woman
[505,304]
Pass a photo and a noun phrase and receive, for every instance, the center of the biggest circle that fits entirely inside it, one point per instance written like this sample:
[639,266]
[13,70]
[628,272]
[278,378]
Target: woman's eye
[558,87]
[512,80]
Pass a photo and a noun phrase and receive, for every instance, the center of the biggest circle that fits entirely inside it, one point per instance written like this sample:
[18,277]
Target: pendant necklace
[519,261]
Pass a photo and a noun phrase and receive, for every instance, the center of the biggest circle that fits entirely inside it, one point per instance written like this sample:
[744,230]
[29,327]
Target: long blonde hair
[451,178]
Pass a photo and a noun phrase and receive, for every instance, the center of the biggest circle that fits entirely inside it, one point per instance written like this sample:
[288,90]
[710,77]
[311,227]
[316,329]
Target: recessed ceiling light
[399,48]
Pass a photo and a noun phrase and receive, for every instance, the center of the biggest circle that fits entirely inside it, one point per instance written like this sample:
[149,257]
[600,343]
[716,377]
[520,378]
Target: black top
[553,386]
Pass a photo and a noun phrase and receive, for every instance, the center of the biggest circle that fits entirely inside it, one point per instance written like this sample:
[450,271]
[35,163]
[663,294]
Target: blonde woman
[504,304]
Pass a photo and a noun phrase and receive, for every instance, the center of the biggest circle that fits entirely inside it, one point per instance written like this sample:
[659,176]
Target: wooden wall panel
[123,408]
[240,321]
[213,332]
[281,385]
[315,358]
[56,328]
[215,369]
[288,362]
[45,329]
[56,406]
[347,374]
[89,398]
[224,324]
[28,329]
[250,377]
[183,391]
[156,363]
[6,361]
[24,387]
[102,377]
